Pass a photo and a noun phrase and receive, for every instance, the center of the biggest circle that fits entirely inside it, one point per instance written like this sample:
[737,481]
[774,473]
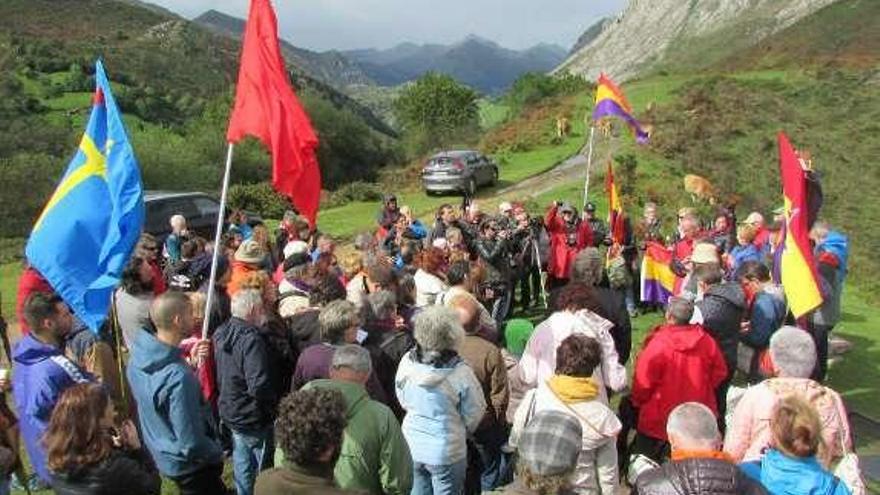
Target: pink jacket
[748,433]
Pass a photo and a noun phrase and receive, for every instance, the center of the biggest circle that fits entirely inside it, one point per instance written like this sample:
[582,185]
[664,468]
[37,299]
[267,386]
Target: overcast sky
[345,24]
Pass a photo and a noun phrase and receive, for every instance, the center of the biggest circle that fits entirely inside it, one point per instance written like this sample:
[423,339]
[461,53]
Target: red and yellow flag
[615,208]
[798,268]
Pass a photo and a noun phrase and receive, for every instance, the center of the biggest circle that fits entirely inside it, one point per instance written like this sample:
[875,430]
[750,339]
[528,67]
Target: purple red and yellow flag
[658,280]
[610,102]
[797,265]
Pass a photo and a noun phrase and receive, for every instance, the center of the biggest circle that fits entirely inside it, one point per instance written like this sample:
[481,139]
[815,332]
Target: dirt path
[572,168]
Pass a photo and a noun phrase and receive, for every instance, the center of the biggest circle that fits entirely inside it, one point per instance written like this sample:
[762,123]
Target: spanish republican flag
[658,281]
[267,108]
[611,102]
[797,266]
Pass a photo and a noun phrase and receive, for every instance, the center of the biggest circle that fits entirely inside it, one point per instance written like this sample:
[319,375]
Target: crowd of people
[396,365]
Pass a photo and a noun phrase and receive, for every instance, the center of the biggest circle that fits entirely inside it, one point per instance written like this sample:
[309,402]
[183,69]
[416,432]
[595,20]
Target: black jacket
[697,477]
[129,472]
[495,256]
[723,308]
[245,377]
[613,304]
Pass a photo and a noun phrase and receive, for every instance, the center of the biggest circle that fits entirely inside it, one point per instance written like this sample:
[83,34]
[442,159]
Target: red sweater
[562,255]
[678,364]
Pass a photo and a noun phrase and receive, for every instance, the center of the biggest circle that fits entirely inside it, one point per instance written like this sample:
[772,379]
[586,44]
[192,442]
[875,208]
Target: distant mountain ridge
[330,67]
[676,34]
[475,61]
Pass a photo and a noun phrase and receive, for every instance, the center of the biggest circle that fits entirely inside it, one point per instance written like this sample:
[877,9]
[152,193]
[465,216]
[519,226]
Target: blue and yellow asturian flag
[86,233]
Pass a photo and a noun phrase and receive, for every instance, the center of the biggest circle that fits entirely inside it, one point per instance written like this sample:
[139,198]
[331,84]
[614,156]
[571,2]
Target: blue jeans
[447,479]
[495,464]
[251,453]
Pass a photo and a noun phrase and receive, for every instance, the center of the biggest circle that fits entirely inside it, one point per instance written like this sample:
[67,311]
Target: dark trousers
[820,337]
[721,401]
[530,284]
[205,481]
[653,448]
[494,464]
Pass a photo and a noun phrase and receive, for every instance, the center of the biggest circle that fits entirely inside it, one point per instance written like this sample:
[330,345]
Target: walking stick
[117,335]
[540,272]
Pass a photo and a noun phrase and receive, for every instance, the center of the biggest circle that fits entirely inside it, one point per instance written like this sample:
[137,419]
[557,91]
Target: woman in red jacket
[568,236]
[679,363]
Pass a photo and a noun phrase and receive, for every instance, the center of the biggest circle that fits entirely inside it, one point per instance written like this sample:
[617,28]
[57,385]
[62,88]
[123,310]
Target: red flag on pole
[267,108]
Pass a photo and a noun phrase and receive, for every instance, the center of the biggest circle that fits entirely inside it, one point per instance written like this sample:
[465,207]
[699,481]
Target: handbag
[847,469]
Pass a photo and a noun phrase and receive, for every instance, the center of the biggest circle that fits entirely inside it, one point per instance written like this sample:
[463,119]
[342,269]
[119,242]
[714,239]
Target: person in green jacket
[375,457]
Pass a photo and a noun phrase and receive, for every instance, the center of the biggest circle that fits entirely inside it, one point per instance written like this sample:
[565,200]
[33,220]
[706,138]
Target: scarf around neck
[572,389]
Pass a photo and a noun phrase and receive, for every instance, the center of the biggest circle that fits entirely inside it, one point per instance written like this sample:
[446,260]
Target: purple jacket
[314,363]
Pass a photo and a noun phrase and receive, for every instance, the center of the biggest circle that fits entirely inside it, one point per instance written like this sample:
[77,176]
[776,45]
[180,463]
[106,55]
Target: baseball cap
[705,252]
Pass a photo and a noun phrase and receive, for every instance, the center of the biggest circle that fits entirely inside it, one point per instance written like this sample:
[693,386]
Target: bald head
[171,312]
[692,426]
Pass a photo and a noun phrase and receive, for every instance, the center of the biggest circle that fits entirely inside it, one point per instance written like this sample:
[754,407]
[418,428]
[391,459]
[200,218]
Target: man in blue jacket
[42,372]
[248,397]
[175,420]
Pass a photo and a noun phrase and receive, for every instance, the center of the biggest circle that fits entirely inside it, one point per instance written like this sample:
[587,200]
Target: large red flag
[266,108]
[798,268]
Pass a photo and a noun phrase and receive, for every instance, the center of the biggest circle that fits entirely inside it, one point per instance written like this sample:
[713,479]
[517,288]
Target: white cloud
[346,24]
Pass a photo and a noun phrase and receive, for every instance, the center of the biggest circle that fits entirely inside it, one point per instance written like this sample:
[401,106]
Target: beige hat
[295,247]
[754,218]
[705,252]
[249,252]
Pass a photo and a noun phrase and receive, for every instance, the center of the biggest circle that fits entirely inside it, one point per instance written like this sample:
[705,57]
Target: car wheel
[471,187]
[494,177]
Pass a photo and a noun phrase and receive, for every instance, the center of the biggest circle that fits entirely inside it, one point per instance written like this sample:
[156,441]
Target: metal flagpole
[217,248]
[540,272]
[589,164]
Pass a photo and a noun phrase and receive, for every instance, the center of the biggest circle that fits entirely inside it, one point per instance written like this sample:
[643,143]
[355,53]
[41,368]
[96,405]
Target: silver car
[458,171]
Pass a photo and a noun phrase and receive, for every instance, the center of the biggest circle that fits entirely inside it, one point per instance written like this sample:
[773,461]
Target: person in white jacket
[430,281]
[573,391]
[538,362]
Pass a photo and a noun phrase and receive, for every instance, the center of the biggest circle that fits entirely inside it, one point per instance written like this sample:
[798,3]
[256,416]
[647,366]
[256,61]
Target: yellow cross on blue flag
[88,229]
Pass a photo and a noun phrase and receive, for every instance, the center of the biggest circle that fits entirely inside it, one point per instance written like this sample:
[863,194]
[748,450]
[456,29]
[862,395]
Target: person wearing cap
[697,465]
[704,254]
[248,258]
[568,236]
[680,362]
[547,454]
[572,390]
[389,213]
[600,230]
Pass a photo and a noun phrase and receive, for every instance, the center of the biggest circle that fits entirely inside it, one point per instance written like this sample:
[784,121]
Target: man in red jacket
[568,236]
[679,363]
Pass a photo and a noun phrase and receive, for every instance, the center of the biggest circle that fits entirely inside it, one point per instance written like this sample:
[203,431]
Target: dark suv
[199,209]
[462,170]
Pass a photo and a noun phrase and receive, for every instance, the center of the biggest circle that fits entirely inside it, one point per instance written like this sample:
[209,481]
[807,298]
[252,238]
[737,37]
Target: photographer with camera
[493,250]
[526,232]
[568,236]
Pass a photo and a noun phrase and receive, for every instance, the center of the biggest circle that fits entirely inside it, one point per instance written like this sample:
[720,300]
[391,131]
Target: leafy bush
[259,198]
[26,182]
[354,191]
[435,111]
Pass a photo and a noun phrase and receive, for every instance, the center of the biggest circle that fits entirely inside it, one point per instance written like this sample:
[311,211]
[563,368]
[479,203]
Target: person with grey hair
[375,457]
[340,324]
[697,465]
[387,340]
[248,396]
[793,356]
[443,401]
[588,269]
[680,362]
[175,239]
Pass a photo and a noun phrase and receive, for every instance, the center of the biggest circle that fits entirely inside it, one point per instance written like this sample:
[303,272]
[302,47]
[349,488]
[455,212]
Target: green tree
[436,111]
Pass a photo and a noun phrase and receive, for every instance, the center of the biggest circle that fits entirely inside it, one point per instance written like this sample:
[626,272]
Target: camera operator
[492,248]
[526,233]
